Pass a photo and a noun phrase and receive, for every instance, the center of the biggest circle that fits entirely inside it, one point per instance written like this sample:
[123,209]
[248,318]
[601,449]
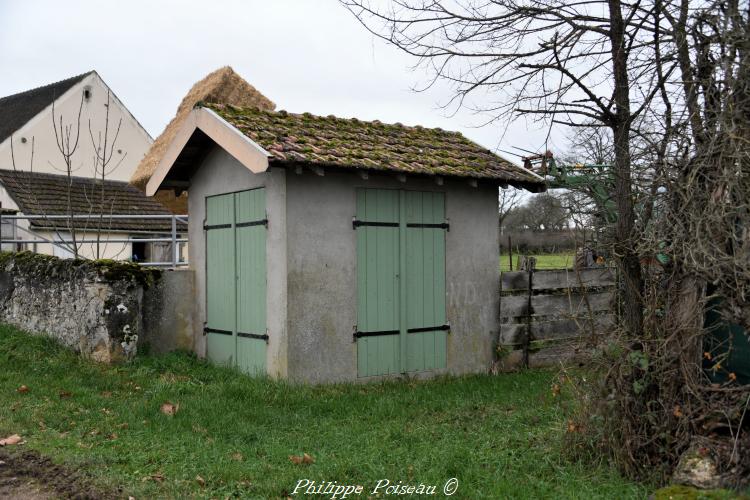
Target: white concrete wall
[322,285]
[221,173]
[132,143]
[311,256]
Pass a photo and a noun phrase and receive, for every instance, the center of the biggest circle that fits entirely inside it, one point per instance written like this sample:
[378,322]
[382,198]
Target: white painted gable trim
[125,111]
[244,149]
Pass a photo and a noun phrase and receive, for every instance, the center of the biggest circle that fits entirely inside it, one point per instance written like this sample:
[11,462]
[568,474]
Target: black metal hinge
[261,222]
[381,333]
[216,330]
[357,223]
[208,227]
[252,336]
[443,225]
[244,335]
[429,329]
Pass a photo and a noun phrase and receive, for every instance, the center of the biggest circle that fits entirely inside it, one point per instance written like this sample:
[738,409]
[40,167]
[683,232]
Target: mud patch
[27,475]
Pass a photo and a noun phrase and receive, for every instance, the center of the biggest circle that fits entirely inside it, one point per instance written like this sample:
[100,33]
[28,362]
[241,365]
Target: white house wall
[115,251]
[131,146]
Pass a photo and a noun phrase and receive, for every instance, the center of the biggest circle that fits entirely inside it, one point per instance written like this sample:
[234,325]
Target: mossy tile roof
[351,143]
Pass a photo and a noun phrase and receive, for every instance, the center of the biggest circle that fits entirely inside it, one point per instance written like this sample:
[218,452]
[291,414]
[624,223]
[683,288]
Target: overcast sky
[305,55]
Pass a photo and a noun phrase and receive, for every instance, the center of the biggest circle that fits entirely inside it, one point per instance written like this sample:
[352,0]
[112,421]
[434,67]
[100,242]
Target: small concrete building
[330,249]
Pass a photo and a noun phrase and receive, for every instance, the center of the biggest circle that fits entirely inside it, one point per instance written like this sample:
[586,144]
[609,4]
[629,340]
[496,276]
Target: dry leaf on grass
[22,390]
[170,409]
[10,440]
[304,459]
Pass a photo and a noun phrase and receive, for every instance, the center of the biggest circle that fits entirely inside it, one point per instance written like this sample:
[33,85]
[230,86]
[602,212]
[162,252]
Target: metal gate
[401,321]
[235,231]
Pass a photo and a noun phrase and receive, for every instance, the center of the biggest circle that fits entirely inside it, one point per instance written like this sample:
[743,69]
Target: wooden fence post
[510,254]
[529,265]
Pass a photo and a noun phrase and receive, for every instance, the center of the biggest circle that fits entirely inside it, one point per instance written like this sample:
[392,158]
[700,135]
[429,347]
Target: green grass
[499,436]
[543,261]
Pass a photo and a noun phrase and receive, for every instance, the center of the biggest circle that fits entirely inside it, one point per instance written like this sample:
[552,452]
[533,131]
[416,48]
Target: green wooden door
[250,213]
[425,281]
[378,346]
[400,281]
[220,280]
[236,280]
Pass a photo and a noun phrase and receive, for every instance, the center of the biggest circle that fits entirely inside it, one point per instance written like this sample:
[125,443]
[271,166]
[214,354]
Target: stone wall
[168,309]
[94,307]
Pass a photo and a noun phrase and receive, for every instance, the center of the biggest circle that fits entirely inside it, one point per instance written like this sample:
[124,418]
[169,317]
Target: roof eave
[530,185]
[225,135]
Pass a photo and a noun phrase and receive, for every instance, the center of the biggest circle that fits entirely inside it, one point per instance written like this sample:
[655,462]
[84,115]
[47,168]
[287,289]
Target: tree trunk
[627,258]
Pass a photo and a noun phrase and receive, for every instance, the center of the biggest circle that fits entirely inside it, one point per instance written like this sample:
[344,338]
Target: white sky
[305,55]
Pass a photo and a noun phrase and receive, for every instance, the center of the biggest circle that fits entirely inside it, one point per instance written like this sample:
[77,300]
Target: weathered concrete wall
[168,312]
[221,173]
[92,307]
[321,251]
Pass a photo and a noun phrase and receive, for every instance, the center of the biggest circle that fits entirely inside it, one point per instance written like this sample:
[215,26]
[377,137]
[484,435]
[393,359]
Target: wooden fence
[549,316]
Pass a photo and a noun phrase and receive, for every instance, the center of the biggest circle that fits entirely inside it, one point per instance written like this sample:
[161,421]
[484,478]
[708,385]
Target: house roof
[355,144]
[16,110]
[221,86]
[46,194]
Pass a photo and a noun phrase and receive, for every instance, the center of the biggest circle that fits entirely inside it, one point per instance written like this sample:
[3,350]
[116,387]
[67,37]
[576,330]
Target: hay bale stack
[223,86]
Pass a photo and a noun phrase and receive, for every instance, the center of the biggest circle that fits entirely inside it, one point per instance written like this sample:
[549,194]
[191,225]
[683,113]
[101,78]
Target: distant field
[543,261]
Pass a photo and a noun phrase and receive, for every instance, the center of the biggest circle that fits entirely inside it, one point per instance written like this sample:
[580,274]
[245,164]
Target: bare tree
[104,148]
[669,80]
[67,140]
[570,64]
[508,199]
[67,136]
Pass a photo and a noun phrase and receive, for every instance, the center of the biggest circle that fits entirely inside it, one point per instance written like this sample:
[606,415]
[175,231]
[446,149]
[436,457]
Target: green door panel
[236,280]
[220,349]
[220,290]
[426,350]
[400,282]
[251,280]
[378,355]
[425,280]
[251,355]
[377,279]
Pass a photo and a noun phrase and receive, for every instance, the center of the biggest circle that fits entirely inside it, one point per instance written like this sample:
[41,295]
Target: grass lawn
[499,436]
[543,261]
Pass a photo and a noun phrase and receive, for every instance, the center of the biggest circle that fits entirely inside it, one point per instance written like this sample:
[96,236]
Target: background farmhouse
[37,182]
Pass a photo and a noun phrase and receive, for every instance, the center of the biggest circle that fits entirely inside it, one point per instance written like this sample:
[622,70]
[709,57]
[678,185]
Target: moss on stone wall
[105,269]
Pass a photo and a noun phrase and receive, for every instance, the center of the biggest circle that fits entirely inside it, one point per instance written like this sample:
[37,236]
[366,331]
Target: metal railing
[33,236]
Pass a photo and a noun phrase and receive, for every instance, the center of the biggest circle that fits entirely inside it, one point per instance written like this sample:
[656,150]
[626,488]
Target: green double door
[235,230]
[401,320]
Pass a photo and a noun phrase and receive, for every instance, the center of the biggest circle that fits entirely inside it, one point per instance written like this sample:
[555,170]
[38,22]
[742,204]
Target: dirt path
[25,475]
